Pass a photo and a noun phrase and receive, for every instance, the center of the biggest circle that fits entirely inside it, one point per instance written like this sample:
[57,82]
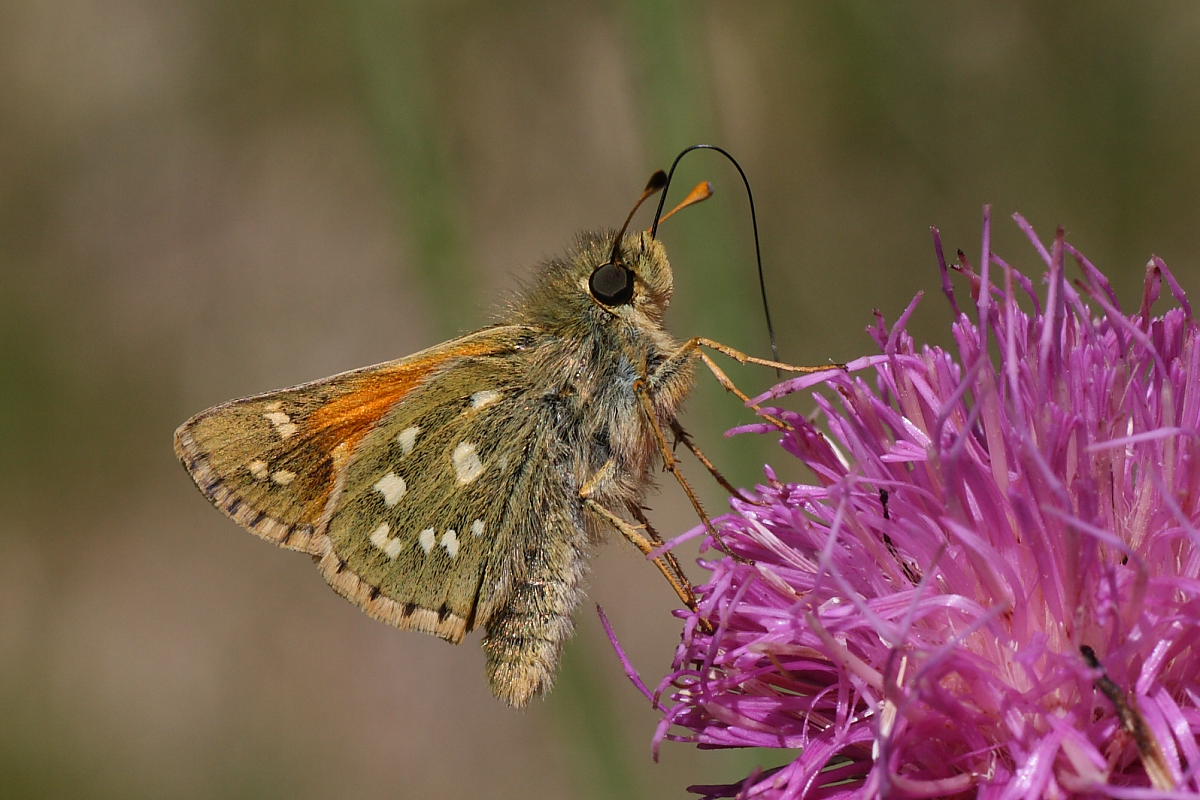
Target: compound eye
[612,284]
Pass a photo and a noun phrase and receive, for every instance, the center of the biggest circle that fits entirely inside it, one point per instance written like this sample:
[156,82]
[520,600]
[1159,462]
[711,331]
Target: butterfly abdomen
[525,637]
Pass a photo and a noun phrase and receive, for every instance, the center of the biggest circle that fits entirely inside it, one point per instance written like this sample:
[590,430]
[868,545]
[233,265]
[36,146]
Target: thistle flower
[993,587]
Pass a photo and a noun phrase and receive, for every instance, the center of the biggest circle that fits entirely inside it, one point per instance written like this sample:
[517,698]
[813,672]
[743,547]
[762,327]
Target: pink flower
[993,587]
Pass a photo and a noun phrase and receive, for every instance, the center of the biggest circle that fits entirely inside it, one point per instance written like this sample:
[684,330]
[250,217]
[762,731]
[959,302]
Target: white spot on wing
[282,422]
[258,469]
[450,542]
[427,537]
[467,465]
[283,476]
[388,544]
[392,487]
[485,398]
[407,439]
[477,527]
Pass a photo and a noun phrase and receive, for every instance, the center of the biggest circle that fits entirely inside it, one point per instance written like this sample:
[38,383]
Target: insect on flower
[466,485]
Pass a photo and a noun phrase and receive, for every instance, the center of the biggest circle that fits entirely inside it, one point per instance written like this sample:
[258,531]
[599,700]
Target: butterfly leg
[657,541]
[640,516]
[693,348]
[668,567]
[667,564]
[664,380]
[696,342]
[685,439]
[672,463]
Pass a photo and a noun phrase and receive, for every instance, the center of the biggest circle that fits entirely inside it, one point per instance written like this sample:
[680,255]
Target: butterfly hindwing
[273,462]
[418,515]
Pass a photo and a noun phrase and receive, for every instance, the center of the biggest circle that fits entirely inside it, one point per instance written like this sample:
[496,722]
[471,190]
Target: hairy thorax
[607,443]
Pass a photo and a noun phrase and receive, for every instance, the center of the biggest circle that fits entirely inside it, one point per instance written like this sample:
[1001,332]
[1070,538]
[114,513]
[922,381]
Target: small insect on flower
[466,485]
[993,588]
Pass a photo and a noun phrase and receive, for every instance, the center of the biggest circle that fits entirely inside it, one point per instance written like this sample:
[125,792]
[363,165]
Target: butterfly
[465,486]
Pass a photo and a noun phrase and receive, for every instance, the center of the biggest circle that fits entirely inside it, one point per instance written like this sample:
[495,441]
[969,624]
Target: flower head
[993,586]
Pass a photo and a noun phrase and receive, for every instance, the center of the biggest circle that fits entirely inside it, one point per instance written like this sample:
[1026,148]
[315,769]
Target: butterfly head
[610,279]
[635,277]
[597,284]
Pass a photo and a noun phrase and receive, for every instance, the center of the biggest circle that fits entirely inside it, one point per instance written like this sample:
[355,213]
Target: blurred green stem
[394,51]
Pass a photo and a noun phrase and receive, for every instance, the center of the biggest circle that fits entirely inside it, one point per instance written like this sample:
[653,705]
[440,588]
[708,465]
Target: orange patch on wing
[335,429]
[347,419]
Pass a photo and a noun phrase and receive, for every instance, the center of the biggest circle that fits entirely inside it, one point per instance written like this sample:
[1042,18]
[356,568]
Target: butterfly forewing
[274,462]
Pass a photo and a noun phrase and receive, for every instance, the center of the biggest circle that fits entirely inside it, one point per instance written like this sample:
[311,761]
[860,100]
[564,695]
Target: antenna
[658,216]
[658,180]
[701,192]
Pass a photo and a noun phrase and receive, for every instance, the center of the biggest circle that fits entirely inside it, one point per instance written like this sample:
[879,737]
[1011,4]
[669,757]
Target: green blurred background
[205,200]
